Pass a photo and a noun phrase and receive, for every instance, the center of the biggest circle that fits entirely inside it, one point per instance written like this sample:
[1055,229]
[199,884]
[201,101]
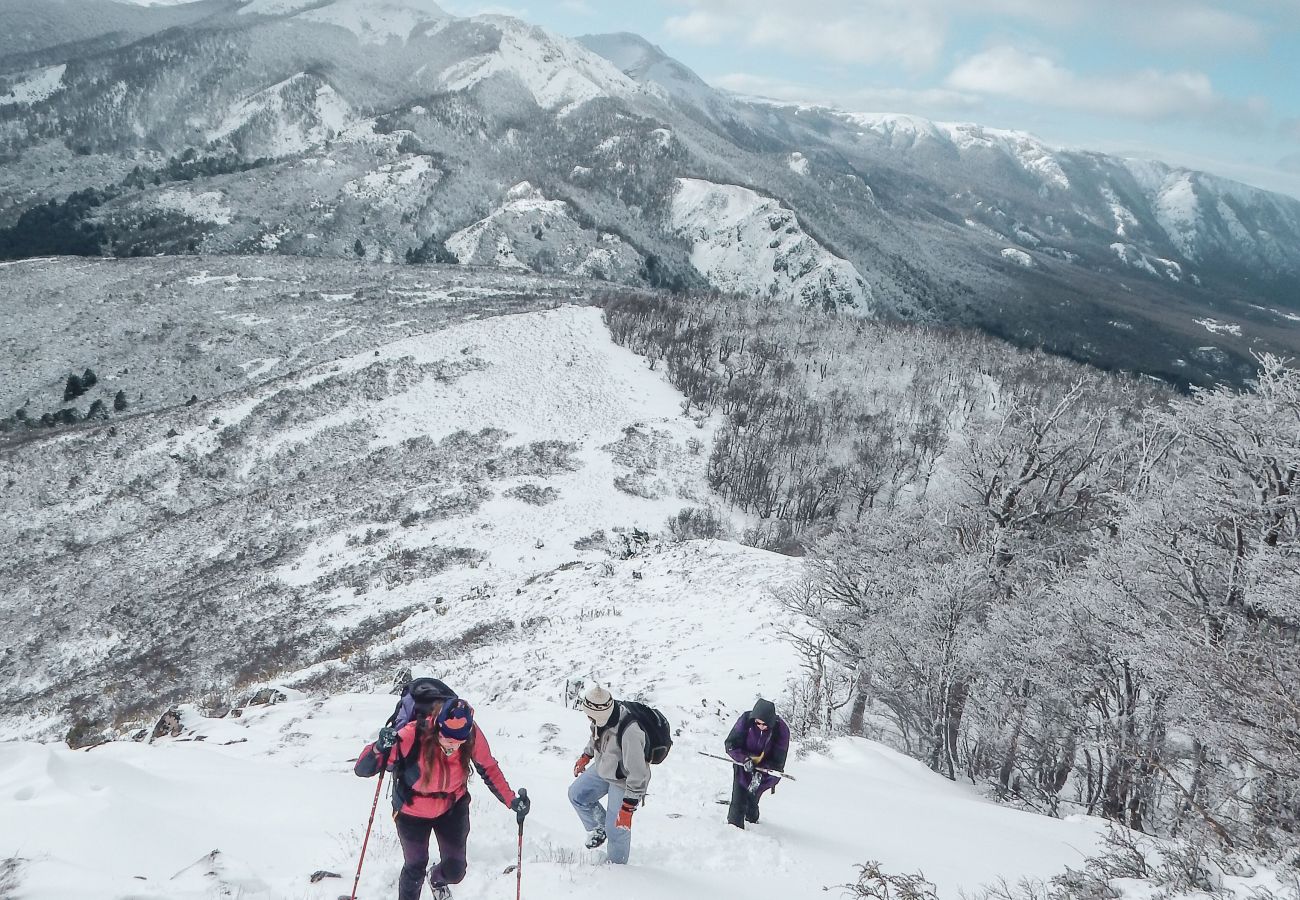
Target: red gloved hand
[625,811]
[581,765]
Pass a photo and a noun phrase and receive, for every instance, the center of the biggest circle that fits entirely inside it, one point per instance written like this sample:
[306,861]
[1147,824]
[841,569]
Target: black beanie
[764,711]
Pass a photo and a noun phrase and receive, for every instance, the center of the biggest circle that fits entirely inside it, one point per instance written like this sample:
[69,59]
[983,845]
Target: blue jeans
[585,794]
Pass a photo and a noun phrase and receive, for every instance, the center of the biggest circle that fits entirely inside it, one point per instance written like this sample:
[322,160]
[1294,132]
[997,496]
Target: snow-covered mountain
[389,127]
[748,244]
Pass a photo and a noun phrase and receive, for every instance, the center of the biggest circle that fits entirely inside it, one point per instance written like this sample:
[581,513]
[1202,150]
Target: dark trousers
[452,830]
[744,803]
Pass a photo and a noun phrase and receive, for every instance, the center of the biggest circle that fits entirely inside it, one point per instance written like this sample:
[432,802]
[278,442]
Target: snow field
[272,792]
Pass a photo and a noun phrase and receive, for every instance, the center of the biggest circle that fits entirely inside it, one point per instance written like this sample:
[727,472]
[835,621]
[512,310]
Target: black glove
[387,739]
[748,767]
[521,805]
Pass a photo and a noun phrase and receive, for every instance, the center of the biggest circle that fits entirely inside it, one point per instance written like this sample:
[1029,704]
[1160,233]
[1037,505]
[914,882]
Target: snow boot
[595,838]
[440,890]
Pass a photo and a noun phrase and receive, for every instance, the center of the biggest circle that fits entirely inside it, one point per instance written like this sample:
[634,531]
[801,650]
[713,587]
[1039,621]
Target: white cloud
[859,32]
[913,33]
[1202,27]
[1146,94]
[700,27]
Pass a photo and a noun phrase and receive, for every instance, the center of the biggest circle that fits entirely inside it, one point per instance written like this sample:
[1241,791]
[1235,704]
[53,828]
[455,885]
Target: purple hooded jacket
[770,745]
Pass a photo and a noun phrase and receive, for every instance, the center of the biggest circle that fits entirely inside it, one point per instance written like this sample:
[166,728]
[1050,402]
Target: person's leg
[739,804]
[620,839]
[585,794]
[751,813]
[413,833]
[767,784]
[452,831]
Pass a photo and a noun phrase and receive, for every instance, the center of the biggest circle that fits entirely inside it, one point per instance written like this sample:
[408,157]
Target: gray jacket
[622,763]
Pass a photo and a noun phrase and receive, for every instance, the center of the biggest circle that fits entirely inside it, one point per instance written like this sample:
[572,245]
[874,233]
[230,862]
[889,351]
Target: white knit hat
[598,704]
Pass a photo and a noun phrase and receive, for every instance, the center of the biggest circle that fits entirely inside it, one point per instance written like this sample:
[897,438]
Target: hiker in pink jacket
[430,759]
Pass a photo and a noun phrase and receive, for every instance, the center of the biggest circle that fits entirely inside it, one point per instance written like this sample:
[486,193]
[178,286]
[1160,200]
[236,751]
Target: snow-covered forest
[1077,588]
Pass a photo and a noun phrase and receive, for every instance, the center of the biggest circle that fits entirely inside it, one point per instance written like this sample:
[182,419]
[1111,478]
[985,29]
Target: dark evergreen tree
[73,389]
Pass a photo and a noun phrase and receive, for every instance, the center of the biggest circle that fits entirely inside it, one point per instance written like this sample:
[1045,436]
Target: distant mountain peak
[372,21]
[648,64]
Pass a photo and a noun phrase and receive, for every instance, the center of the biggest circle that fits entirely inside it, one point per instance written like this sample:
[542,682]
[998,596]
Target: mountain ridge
[282,116]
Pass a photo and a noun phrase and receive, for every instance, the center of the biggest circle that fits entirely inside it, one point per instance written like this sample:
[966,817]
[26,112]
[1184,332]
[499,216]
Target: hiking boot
[440,890]
[595,838]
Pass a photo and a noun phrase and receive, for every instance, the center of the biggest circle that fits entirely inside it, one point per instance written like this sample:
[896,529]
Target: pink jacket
[436,789]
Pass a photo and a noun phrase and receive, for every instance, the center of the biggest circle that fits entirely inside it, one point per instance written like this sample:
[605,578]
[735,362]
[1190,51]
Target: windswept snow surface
[252,806]
[742,241]
[543,376]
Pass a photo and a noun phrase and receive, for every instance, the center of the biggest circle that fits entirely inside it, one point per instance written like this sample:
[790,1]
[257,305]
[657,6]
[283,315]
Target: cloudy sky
[1204,83]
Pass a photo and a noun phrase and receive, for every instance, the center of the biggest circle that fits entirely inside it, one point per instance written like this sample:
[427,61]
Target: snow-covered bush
[693,523]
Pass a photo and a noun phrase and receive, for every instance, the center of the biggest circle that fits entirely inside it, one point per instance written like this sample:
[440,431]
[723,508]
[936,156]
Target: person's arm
[372,759]
[780,746]
[637,778]
[735,742]
[488,769]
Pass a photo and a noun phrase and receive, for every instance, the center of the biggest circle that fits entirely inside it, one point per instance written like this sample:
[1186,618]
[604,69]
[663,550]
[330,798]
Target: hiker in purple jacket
[759,738]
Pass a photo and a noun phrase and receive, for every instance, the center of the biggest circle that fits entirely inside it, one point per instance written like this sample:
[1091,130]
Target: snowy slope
[269,799]
[277,122]
[35,86]
[742,241]
[903,132]
[648,64]
[528,231]
[559,73]
[379,21]
[430,472]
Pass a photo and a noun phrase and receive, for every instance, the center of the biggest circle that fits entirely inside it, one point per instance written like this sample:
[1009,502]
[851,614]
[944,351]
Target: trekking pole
[519,867]
[374,806]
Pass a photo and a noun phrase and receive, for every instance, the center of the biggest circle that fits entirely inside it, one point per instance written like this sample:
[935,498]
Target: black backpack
[418,699]
[658,733]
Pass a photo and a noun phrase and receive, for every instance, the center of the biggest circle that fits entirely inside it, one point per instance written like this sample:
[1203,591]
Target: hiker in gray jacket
[620,775]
